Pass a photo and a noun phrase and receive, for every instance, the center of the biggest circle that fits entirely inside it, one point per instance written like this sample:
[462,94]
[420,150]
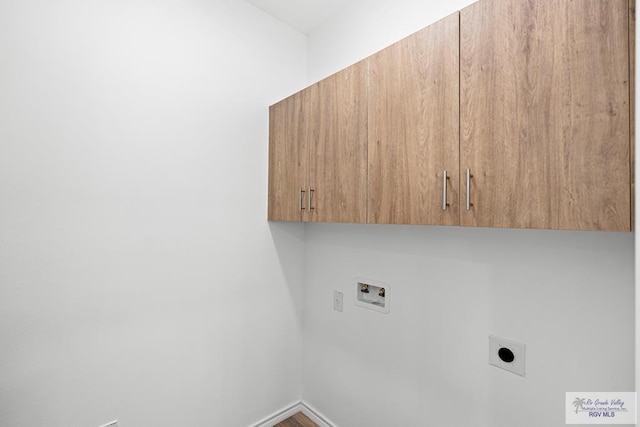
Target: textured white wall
[569,296]
[139,279]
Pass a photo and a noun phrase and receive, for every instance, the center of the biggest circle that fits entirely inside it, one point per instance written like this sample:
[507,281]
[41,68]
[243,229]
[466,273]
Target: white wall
[569,296]
[367,26]
[139,279]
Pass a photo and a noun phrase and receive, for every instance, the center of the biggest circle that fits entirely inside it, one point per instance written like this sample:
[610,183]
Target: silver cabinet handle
[444,191]
[469,176]
[300,197]
[311,191]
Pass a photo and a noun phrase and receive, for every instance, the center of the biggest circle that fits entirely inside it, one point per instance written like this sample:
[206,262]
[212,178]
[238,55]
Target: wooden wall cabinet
[545,114]
[413,128]
[525,104]
[289,156]
[318,151]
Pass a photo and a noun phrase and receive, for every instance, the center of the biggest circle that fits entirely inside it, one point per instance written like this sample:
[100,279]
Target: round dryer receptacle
[506,355]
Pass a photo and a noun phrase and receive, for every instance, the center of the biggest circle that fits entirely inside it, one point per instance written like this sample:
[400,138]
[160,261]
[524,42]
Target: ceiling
[303,15]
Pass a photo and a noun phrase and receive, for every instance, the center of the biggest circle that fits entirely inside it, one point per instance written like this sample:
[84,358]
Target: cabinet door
[289,157]
[545,114]
[414,128]
[338,176]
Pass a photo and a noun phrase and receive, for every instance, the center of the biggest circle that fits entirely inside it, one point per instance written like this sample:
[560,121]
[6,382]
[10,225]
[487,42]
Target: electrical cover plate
[337,300]
[506,354]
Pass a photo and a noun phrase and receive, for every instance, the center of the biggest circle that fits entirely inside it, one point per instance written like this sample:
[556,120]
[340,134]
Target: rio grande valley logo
[598,408]
[601,408]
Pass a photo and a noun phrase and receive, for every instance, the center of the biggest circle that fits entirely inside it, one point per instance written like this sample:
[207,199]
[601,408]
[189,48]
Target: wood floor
[298,420]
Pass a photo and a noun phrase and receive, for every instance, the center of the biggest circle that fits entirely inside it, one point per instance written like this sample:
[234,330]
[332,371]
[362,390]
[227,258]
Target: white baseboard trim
[315,415]
[280,415]
[290,410]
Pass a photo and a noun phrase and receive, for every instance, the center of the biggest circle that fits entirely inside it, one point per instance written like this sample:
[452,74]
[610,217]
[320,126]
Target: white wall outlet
[337,301]
[507,355]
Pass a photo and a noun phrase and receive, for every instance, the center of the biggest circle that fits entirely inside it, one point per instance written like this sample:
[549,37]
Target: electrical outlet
[337,301]
[507,355]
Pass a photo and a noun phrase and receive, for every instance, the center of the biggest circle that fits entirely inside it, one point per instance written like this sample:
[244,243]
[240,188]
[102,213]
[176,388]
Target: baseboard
[280,415]
[315,415]
[292,409]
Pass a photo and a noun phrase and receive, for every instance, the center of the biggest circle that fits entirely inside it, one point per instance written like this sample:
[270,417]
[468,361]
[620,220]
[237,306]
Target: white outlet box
[506,354]
[338,299]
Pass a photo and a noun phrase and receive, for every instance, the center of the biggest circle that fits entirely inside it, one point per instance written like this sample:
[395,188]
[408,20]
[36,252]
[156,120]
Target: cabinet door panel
[414,128]
[289,157]
[338,147]
[545,114]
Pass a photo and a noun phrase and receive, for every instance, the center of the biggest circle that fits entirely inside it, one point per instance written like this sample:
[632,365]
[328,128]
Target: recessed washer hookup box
[373,294]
